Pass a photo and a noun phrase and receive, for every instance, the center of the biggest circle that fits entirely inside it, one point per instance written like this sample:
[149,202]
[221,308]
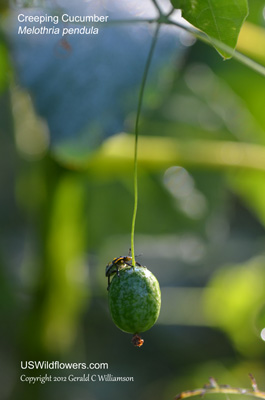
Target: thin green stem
[245,60]
[211,41]
[157,6]
[136,132]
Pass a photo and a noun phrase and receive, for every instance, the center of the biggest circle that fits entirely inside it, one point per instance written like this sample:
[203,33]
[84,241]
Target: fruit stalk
[136,133]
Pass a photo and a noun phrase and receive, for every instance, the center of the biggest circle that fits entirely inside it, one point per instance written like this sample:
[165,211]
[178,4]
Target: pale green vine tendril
[164,19]
[136,132]
[245,60]
[212,388]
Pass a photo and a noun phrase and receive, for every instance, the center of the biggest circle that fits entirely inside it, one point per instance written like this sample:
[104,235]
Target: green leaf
[233,300]
[221,20]
[4,66]
[249,185]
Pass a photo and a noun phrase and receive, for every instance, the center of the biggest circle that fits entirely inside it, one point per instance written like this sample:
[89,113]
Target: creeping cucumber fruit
[134,300]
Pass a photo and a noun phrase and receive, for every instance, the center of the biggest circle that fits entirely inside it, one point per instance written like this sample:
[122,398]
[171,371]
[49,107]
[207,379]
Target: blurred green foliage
[233,301]
[219,20]
[199,229]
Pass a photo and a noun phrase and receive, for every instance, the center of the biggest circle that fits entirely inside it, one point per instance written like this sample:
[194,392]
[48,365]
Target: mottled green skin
[134,299]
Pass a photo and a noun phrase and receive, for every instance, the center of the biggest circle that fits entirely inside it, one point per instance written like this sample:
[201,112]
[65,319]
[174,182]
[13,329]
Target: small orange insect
[137,341]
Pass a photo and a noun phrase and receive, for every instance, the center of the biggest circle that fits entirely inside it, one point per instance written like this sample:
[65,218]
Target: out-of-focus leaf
[219,19]
[208,102]
[167,151]
[256,12]
[4,66]
[31,132]
[251,94]
[6,297]
[234,296]
[3,5]
[251,41]
[66,268]
[250,186]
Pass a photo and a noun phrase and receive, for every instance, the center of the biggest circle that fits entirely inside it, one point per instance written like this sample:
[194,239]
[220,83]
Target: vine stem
[211,41]
[235,54]
[136,133]
[157,6]
[212,387]
[164,19]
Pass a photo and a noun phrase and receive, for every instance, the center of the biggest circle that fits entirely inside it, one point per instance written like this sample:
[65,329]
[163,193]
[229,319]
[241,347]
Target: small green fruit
[134,299]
